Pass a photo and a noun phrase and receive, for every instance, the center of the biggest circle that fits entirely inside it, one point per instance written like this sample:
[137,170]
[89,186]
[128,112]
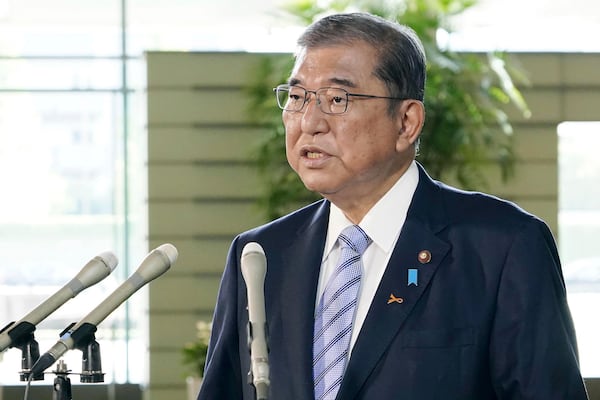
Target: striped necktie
[335,315]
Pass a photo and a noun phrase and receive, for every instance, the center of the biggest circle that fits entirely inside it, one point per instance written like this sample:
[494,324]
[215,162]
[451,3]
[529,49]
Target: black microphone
[155,264]
[254,269]
[93,272]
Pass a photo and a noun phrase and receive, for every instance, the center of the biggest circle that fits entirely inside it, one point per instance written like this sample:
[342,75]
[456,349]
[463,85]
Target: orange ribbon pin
[394,299]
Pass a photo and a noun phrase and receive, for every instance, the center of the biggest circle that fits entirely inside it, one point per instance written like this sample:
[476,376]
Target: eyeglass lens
[329,100]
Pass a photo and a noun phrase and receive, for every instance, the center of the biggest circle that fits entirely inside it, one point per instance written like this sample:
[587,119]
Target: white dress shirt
[383,224]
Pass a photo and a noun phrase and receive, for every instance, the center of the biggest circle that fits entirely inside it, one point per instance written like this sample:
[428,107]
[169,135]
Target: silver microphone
[93,272]
[254,269]
[157,262]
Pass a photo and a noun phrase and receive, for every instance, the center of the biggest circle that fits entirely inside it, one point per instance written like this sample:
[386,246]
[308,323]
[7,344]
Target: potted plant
[466,96]
[194,358]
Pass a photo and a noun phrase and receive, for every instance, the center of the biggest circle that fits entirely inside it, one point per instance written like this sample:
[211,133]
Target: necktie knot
[355,238]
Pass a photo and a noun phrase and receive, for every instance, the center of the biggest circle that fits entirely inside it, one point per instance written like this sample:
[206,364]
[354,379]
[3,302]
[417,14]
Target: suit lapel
[399,289]
[299,288]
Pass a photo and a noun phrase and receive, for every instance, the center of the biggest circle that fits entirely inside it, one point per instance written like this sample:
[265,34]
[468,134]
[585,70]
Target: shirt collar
[384,221]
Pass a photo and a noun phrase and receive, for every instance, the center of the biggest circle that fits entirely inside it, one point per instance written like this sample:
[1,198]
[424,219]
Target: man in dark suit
[457,296]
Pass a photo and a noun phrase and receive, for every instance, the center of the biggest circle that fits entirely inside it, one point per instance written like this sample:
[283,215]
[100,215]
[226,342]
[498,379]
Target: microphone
[157,262]
[93,272]
[254,269]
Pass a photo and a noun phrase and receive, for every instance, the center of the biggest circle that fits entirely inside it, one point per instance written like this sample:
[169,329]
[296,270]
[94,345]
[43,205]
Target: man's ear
[410,120]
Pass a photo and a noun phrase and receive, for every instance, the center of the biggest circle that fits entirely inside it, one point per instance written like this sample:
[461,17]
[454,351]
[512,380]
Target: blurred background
[74,155]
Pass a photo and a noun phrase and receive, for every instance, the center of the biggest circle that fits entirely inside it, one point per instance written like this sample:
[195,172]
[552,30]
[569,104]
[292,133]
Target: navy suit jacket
[487,320]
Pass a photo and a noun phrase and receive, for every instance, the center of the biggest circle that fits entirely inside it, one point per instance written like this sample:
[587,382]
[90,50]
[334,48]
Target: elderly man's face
[353,157]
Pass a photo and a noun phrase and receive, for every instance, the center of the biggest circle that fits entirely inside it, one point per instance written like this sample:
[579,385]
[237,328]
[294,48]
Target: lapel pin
[394,299]
[413,277]
[424,256]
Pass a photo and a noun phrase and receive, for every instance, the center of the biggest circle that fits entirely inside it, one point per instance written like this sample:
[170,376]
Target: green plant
[194,353]
[466,95]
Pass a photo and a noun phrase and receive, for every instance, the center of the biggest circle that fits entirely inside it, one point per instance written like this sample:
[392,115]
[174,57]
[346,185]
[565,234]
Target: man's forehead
[337,65]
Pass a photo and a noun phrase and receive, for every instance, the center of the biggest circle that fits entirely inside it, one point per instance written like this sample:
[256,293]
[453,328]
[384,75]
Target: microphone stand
[91,368]
[260,365]
[62,384]
[91,363]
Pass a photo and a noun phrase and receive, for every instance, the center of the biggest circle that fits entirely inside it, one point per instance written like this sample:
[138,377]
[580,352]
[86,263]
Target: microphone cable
[29,379]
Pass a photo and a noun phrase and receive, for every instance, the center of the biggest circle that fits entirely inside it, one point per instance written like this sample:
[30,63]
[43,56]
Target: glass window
[61,166]
[59,74]
[224,25]
[559,25]
[69,193]
[579,230]
[37,28]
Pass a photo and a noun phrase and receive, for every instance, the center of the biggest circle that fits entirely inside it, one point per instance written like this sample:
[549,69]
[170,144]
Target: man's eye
[337,100]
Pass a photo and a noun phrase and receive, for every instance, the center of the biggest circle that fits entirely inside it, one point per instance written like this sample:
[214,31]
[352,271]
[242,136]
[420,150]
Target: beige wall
[202,187]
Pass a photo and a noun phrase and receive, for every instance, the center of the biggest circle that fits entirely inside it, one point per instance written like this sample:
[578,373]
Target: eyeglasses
[330,100]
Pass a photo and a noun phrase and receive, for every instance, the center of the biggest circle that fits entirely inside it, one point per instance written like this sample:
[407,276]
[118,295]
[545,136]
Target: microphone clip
[23,339]
[84,339]
[91,363]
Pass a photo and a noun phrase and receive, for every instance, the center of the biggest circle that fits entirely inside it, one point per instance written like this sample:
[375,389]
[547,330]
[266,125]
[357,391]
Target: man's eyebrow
[333,81]
[343,82]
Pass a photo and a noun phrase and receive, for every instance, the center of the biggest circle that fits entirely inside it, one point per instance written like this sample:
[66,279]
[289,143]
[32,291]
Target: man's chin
[315,187]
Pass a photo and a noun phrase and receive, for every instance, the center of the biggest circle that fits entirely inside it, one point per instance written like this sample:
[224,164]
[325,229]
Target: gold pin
[394,299]
[424,256]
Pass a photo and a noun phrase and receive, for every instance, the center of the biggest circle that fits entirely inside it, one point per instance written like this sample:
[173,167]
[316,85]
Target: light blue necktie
[335,315]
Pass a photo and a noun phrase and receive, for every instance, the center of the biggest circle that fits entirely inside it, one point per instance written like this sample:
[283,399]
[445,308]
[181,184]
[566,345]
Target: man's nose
[313,120]
[309,100]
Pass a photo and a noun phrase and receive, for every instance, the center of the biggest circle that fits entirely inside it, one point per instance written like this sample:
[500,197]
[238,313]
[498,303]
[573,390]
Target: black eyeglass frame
[287,88]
